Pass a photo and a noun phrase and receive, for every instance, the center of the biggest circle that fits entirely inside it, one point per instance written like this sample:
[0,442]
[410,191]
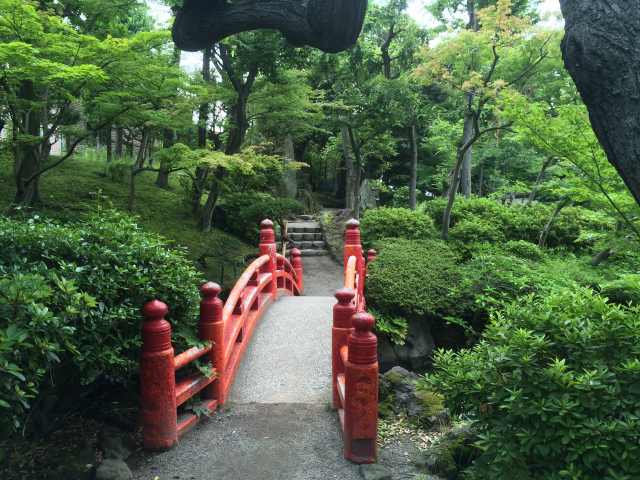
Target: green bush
[624,290]
[389,222]
[485,219]
[243,212]
[552,388]
[418,278]
[524,249]
[71,295]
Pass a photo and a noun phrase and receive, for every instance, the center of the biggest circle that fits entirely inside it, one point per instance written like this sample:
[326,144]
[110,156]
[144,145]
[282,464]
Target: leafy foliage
[71,295]
[552,388]
[382,223]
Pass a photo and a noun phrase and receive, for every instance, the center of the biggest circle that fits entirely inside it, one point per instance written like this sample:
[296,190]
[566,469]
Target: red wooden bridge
[227,329]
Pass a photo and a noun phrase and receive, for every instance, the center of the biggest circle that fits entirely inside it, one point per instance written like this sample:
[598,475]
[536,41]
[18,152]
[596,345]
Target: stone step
[304,230]
[305,237]
[314,253]
[306,245]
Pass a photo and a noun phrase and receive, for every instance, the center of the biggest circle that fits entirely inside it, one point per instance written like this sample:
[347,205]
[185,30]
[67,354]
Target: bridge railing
[225,327]
[354,355]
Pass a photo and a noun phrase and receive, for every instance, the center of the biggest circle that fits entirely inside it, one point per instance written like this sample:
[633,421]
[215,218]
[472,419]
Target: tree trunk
[536,186]
[473,16]
[602,53]
[239,124]
[203,112]
[290,183]
[481,180]
[109,144]
[414,166]
[28,156]
[451,195]
[143,146]
[468,156]
[169,139]
[601,257]
[547,228]
[350,174]
[206,220]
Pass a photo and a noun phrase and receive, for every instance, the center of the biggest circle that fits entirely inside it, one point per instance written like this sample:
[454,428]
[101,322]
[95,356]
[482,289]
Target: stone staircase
[306,234]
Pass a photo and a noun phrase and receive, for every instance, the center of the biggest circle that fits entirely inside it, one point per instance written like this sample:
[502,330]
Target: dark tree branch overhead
[601,50]
[330,25]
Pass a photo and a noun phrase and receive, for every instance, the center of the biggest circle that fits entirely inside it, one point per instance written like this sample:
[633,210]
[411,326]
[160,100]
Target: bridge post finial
[157,379]
[211,329]
[342,313]
[296,263]
[268,247]
[352,242]
[361,391]
[371,255]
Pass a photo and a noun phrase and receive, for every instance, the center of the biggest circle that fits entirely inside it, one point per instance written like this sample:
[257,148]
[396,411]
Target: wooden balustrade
[226,330]
[354,355]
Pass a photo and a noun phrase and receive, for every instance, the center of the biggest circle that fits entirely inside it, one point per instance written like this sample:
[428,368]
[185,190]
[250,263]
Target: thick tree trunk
[332,26]
[169,139]
[28,156]
[413,134]
[473,16]
[119,142]
[468,156]
[239,124]
[601,50]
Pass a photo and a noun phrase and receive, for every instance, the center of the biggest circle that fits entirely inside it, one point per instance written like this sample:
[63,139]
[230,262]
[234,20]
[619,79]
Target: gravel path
[322,276]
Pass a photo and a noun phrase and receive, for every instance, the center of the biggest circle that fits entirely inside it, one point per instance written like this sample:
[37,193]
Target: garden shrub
[71,295]
[553,389]
[414,278]
[624,290]
[518,221]
[387,222]
[242,212]
[524,249]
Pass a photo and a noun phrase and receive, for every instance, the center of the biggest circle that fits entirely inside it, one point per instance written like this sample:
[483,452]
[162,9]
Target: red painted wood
[228,328]
[354,351]
[157,379]
[191,355]
[296,263]
[189,386]
[342,312]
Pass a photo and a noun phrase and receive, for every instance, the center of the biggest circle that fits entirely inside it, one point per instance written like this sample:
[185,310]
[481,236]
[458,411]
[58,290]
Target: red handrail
[354,355]
[226,329]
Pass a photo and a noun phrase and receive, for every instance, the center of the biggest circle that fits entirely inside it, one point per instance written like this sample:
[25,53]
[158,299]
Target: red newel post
[342,313]
[352,245]
[371,255]
[296,263]
[211,328]
[157,380]
[268,247]
[361,409]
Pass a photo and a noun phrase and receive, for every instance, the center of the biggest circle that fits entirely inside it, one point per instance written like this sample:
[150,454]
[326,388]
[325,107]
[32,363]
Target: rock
[416,353]
[399,393]
[115,443]
[113,469]
[453,453]
[375,471]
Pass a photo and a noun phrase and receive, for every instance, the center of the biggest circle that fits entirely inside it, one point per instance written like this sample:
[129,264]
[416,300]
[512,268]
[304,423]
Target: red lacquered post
[157,380]
[296,263]
[342,313]
[212,329]
[371,255]
[268,247]
[361,409]
[352,245]
[280,269]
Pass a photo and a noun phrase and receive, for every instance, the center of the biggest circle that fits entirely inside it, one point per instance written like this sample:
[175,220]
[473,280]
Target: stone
[113,469]
[115,443]
[416,353]
[375,471]
[451,454]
